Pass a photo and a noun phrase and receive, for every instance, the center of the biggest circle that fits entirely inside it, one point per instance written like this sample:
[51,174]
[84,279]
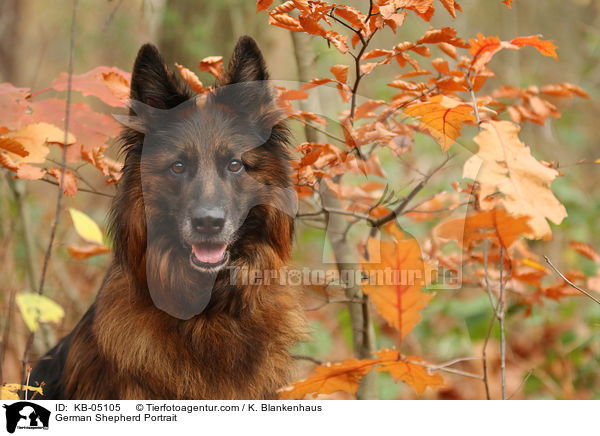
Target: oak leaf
[505,165]
[330,378]
[109,84]
[395,275]
[409,369]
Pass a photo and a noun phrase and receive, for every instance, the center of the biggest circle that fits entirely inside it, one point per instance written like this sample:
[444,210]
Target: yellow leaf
[86,227]
[505,165]
[9,391]
[37,308]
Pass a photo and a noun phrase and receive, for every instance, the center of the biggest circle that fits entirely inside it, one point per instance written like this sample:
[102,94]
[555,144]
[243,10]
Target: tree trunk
[363,334]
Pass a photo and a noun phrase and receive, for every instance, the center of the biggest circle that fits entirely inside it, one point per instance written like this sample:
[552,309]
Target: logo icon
[26,415]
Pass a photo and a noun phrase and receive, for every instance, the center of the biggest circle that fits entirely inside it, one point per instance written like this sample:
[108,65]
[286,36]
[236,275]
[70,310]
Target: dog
[205,190]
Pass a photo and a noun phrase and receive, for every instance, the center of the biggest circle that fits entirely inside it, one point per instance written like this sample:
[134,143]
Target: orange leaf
[314,83]
[547,48]
[293,94]
[81,252]
[378,52]
[35,138]
[7,162]
[190,78]
[442,117]
[262,5]
[213,65]
[285,21]
[339,41]
[329,378]
[446,35]
[340,73]
[90,128]
[311,26]
[396,273]
[409,369]
[564,90]
[495,223]
[353,16]
[30,172]
[449,5]
[586,250]
[508,3]
[13,146]
[109,84]
[70,181]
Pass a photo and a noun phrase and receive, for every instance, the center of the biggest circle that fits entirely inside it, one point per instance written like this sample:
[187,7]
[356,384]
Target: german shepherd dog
[204,190]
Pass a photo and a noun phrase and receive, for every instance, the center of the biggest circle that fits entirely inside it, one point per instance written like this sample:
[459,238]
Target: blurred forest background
[556,349]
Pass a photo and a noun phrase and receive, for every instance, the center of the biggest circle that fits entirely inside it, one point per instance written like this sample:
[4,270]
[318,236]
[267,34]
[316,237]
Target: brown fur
[238,348]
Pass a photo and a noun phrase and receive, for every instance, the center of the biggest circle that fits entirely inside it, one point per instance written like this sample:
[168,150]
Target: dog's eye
[235,166]
[178,167]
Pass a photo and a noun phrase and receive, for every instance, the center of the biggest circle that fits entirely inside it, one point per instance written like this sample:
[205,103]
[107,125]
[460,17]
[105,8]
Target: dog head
[214,175]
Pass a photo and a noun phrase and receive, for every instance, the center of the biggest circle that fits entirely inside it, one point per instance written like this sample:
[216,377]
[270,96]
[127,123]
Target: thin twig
[583,291]
[400,208]
[6,332]
[309,358]
[59,197]
[501,321]
[90,191]
[521,384]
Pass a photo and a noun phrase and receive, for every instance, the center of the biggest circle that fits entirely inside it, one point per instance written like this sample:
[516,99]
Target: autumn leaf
[109,84]
[90,128]
[445,35]
[86,227]
[484,48]
[329,378]
[13,105]
[69,181]
[395,275]
[586,250]
[37,308]
[190,78]
[262,5]
[213,65]
[345,376]
[495,223]
[12,146]
[352,15]
[10,391]
[34,139]
[408,369]
[81,252]
[505,165]
[340,72]
[30,172]
[547,48]
[442,117]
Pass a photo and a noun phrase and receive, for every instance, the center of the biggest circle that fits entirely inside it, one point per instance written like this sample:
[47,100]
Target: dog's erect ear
[246,64]
[152,83]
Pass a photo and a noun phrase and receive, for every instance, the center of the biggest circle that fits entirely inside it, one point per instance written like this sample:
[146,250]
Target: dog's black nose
[208,221]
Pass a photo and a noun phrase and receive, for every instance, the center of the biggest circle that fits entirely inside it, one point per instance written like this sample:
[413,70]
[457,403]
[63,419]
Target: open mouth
[209,256]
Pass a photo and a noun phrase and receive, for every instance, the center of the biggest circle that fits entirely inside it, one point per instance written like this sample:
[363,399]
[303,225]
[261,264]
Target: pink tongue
[209,253]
